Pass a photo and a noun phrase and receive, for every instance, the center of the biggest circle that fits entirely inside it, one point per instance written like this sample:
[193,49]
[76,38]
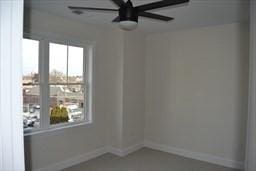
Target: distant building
[58,95]
[33,78]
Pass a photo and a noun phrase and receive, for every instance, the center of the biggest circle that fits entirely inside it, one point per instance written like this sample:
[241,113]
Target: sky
[60,56]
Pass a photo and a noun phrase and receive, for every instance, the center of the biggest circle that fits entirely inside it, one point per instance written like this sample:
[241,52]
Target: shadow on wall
[28,155]
[242,88]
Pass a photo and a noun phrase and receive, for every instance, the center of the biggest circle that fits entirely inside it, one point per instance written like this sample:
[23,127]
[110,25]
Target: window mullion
[67,63]
[67,71]
[44,66]
[86,84]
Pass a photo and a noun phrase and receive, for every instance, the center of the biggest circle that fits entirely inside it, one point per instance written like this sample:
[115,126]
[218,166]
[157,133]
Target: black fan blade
[155,16]
[160,4]
[91,9]
[119,2]
[117,19]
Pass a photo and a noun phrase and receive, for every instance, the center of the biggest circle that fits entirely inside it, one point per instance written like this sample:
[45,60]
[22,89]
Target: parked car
[74,112]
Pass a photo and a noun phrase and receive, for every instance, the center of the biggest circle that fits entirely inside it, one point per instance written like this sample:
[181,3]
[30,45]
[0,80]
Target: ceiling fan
[128,14]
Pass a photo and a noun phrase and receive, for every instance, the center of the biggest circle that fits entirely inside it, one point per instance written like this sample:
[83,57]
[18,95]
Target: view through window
[30,81]
[66,83]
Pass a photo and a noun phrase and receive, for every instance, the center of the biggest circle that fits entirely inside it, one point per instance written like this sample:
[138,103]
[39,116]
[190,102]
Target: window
[66,82]
[56,84]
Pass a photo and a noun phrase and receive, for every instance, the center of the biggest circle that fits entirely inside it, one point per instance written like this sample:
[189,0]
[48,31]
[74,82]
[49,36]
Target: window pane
[30,55]
[58,63]
[31,107]
[66,103]
[75,64]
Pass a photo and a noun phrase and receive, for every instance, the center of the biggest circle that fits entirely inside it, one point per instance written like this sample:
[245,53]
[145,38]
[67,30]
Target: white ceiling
[196,14]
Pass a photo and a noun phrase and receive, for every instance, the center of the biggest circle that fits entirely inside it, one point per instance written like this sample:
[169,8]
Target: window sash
[37,84]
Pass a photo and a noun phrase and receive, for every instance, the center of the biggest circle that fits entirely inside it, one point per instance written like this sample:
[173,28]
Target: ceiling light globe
[128,25]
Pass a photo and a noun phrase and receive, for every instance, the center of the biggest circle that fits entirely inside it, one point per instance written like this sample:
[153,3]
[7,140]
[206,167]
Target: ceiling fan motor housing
[128,13]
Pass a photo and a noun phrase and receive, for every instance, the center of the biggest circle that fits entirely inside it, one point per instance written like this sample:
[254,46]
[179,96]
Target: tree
[57,76]
[59,115]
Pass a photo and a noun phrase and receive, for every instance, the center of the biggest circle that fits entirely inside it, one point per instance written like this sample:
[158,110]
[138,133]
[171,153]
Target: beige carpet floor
[146,160]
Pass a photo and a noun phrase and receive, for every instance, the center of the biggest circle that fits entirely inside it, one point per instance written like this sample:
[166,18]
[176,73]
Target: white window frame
[43,63]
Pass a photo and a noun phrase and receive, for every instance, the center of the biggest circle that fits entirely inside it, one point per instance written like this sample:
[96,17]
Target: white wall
[115,61]
[196,90]
[113,81]
[133,88]
[45,149]
[127,125]
[250,164]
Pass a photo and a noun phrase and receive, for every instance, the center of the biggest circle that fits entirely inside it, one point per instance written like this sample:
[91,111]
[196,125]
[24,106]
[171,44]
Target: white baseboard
[115,151]
[195,155]
[74,160]
[125,151]
[85,157]
[132,149]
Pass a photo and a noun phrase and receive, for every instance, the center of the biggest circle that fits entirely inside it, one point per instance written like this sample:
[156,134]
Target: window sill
[54,128]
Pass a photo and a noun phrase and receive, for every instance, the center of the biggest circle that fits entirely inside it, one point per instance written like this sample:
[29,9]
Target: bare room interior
[128,85]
